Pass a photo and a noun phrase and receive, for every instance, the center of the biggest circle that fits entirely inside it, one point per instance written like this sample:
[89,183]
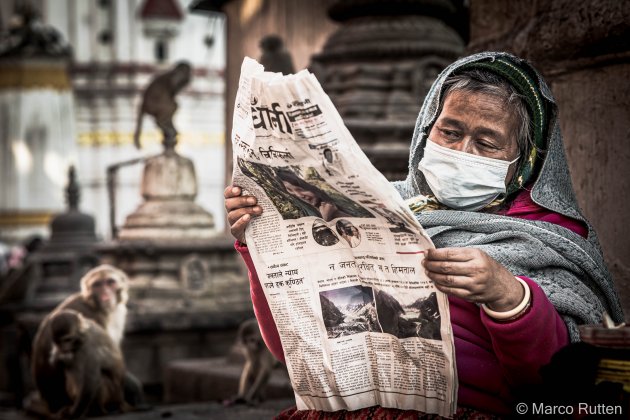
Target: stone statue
[158,101]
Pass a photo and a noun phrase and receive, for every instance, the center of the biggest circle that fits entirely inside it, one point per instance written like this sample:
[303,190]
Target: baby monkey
[92,364]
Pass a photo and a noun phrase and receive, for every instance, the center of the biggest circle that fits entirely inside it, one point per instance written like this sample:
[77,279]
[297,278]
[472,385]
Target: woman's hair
[487,82]
[288,176]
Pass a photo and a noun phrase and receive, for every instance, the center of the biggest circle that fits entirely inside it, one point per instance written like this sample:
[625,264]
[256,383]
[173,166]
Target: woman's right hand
[240,210]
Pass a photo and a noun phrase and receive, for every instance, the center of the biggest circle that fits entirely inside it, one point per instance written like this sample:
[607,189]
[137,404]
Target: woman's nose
[464,145]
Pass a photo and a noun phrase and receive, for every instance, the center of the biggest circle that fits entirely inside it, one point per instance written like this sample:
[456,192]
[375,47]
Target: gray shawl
[569,268]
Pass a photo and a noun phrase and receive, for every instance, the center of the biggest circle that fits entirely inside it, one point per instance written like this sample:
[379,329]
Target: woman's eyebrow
[452,122]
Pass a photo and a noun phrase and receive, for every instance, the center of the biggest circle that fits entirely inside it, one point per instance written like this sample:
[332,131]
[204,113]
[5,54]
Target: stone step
[215,379]
[196,411]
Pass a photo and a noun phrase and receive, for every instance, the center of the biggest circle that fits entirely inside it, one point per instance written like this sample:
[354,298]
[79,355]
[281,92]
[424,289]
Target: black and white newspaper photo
[339,255]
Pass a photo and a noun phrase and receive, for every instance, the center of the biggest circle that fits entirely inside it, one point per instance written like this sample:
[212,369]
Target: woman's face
[305,195]
[479,124]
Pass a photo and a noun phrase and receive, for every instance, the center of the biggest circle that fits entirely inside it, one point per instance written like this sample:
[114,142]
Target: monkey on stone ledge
[259,363]
[102,299]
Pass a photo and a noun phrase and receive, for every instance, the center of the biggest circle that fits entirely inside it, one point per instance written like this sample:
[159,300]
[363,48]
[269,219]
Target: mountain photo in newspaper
[339,256]
[354,309]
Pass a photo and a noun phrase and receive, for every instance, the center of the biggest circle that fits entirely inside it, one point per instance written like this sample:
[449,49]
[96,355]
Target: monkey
[158,101]
[275,57]
[92,366]
[102,299]
[259,363]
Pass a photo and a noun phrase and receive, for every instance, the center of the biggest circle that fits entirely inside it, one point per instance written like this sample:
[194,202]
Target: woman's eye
[486,145]
[449,133]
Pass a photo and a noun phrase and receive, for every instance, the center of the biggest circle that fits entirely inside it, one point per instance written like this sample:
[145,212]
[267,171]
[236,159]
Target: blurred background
[72,76]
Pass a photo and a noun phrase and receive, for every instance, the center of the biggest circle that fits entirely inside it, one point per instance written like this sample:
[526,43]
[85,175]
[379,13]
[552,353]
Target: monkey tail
[136,135]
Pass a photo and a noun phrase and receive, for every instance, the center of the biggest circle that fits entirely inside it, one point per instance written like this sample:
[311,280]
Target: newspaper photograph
[338,254]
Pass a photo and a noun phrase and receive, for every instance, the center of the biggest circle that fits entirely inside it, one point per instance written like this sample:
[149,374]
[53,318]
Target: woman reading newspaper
[522,268]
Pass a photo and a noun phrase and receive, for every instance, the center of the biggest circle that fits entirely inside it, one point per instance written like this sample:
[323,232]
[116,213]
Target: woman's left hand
[473,275]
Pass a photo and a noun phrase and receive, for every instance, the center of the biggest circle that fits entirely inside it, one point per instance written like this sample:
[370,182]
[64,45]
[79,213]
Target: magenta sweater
[492,358]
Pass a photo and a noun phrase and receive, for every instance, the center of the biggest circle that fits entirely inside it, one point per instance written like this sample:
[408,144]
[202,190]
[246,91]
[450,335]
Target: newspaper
[338,255]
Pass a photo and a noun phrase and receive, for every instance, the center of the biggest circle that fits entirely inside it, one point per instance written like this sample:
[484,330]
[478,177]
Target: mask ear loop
[515,174]
[501,197]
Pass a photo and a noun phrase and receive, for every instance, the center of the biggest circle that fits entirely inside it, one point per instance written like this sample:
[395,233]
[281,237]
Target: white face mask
[460,180]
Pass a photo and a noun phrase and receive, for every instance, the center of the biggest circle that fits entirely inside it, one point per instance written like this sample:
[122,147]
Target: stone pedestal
[191,275]
[169,211]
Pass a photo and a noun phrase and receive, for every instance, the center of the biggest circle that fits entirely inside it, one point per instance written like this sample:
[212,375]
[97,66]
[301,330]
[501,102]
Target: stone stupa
[169,211]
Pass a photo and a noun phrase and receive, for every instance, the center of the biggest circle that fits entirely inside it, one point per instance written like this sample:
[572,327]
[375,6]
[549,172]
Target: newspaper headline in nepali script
[338,255]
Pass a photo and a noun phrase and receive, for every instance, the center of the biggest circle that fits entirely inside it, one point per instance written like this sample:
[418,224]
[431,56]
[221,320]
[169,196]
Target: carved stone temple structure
[379,65]
[188,292]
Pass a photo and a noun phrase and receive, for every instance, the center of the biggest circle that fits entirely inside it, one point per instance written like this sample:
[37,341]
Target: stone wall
[583,49]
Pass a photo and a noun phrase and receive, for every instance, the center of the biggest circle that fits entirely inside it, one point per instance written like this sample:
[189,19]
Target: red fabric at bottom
[378,413]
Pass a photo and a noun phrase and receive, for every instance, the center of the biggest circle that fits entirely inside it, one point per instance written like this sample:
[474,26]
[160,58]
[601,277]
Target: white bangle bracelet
[512,312]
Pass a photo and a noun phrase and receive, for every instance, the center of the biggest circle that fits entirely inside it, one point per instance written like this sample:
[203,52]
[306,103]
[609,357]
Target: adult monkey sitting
[103,298]
[489,181]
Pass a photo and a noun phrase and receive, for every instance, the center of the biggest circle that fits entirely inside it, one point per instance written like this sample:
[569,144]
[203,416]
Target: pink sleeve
[566,222]
[523,207]
[526,344]
[267,325]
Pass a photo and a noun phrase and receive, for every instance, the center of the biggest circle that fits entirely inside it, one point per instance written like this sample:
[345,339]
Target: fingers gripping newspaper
[338,255]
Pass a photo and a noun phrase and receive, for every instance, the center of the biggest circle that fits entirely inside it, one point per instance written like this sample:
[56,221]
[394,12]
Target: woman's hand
[240,210]
[473,275]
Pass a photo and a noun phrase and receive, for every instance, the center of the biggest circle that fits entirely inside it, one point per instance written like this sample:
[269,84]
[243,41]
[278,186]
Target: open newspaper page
[338,254]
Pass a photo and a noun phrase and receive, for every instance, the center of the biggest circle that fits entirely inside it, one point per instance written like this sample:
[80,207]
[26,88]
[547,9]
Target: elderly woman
[522,268]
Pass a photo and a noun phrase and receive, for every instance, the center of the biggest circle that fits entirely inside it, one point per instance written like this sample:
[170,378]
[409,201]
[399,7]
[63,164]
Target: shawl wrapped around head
[569,268]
